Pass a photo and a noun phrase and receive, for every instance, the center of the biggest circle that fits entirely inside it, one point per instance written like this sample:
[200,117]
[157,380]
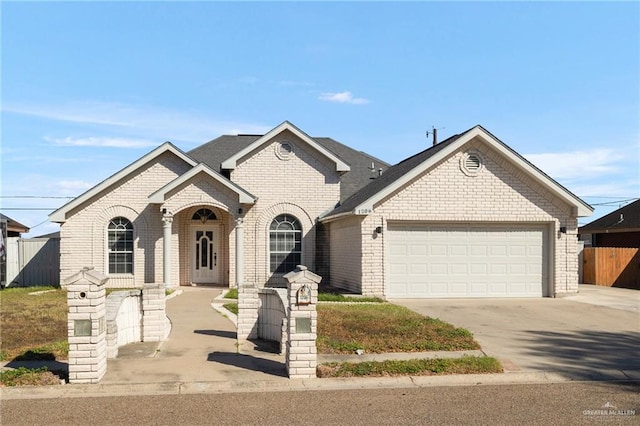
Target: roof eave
[159,196]
[60,215]
[232,162]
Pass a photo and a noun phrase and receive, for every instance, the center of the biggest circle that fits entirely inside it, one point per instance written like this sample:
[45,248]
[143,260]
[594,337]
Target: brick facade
[444,194]
[304,183]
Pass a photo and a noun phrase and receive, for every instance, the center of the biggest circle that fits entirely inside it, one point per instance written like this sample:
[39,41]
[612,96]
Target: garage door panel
[466,261]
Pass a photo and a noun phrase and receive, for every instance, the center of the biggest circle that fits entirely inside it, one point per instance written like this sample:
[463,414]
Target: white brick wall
[304,186]
[83,234]
[501,192]
[346,253]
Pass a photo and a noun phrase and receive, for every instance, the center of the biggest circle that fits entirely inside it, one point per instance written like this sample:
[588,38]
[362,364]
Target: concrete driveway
[593,335]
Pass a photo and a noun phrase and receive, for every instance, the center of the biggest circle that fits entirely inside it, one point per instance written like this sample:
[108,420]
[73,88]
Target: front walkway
[201,347]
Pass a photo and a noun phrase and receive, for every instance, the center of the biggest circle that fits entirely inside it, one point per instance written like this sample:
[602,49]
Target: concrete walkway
[202,347]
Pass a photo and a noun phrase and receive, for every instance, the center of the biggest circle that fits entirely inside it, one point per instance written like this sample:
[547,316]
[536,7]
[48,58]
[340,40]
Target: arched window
[203,215]
[285,244]
[120,246]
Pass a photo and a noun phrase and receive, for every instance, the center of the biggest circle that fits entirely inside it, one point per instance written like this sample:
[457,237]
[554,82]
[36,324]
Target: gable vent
[471,164]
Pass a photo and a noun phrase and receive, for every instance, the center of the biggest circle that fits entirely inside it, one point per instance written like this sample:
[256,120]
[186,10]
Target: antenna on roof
[434,133]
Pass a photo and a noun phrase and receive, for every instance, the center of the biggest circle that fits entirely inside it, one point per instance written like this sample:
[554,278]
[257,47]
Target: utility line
[29,208]
[35,196]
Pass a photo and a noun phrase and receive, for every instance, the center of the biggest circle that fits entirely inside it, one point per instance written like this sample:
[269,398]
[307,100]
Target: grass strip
[231,307]
[336,297]
[231,294]
[413,367]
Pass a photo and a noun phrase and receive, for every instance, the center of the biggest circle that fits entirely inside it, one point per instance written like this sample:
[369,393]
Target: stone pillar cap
[88,274]
[301,272]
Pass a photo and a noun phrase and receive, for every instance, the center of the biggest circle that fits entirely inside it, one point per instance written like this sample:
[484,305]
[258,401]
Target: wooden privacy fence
[611,267]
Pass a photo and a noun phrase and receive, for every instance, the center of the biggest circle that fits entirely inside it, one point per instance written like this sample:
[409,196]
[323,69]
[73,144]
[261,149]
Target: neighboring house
[620,228]
[10,231]
[468,217]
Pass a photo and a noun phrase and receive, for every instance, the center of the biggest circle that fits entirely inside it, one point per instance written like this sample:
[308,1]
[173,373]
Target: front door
[204,255]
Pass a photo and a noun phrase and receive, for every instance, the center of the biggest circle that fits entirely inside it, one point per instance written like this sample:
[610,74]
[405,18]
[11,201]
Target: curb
[281,385]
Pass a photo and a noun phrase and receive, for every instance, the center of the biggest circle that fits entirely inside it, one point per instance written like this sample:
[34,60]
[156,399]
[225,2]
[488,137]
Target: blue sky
[87,88]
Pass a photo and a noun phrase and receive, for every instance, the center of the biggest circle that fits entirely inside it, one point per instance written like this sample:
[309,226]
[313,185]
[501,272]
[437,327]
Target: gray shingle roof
[611,222]
[214,152]
[390,176]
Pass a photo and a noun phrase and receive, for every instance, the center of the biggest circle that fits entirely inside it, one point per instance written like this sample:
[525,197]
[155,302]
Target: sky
[89,87]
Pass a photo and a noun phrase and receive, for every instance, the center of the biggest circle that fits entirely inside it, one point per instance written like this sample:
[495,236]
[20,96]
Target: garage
[463,260]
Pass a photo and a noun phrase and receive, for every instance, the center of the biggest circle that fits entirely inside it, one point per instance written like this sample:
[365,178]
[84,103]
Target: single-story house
[468,217]
[620,228]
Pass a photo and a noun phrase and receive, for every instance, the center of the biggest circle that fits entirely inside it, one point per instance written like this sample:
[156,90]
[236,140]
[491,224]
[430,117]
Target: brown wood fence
[611,267]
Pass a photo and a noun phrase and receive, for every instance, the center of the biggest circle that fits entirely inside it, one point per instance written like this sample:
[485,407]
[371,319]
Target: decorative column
[167,220]
[239,252]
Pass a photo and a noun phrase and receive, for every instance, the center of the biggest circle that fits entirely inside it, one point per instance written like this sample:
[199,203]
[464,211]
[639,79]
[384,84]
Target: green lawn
[34,326]
[379,328]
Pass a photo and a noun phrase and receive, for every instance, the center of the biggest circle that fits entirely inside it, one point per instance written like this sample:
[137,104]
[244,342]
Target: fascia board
[158,197]
[581,209]
[366,207]
[232,162]
[59,215]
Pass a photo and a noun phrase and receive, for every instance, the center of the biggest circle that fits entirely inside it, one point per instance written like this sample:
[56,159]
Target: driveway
[593,335]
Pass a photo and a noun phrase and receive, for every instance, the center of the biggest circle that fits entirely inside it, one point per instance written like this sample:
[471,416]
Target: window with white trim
[120,246]
[285,244]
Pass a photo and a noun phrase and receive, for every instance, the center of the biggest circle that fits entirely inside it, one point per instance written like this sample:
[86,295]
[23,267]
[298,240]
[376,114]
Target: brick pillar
[154,321]
[302,323]
[87,326]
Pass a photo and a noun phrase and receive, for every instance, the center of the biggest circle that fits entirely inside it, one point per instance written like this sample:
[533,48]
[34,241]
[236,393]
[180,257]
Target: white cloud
[75,186]
[343,98]
[140,121]
[577,165]
[103,142]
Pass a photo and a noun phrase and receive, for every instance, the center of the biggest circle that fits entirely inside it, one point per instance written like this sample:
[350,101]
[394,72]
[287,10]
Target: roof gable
[404,172]
[60,215]
[625,218]
[160,195]
[232,162]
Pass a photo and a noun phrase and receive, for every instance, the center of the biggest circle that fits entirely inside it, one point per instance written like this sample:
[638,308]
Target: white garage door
[431,261]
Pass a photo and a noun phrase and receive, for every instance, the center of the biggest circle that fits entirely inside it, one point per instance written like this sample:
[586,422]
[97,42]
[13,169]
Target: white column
[239,252]
[167,220]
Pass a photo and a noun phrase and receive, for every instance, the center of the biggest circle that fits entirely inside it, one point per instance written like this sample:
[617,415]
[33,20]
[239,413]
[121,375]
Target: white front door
[204,254]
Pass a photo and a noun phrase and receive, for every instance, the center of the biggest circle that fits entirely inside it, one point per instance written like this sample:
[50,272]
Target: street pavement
[573,403]
[537,340]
